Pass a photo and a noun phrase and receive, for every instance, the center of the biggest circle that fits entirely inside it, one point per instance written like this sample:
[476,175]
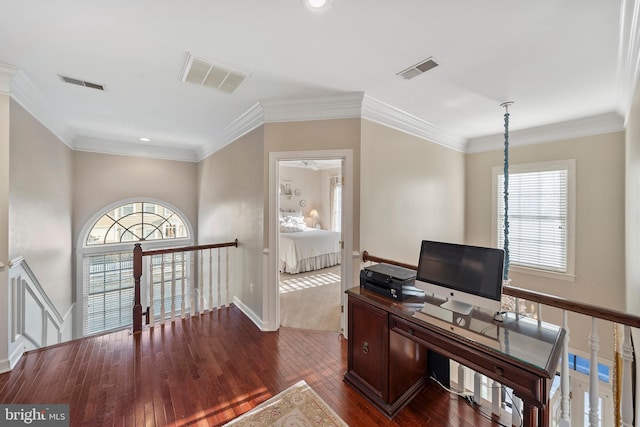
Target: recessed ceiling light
[317,6]
[145,139]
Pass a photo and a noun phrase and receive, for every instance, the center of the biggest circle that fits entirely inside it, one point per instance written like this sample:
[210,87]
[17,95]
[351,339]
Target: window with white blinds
[540,215]
[107,259]
[108,291]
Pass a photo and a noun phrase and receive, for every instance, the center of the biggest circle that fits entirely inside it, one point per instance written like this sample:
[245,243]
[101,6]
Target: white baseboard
[250,314]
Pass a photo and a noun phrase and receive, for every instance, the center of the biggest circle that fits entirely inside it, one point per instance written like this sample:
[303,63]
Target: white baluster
[192,288]
[477,388]
[210,280]
[173,286]
[151,311]
[182,299]
[496,398]
[517,309]
[461,379]
[565,403]
[201,281]
[539,313]
[594,344]
[516,411]
[626,404]
[219,302]
[162,309]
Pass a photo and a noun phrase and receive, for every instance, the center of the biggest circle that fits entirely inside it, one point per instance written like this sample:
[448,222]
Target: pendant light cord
[505,274]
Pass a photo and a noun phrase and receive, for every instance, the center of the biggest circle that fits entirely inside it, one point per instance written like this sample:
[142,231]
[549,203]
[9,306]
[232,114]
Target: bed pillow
[288,227]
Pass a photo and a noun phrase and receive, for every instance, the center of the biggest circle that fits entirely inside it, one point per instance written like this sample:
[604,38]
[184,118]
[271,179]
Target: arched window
[134,222]
[107,258]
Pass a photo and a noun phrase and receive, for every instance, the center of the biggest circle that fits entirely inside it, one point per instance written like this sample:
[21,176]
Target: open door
[336,214]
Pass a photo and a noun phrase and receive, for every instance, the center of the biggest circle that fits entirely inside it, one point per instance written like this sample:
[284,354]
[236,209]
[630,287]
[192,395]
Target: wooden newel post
[137,274]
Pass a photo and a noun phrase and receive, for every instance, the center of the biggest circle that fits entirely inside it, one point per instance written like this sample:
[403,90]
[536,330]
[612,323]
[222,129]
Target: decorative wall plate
[297,192]
[303,203]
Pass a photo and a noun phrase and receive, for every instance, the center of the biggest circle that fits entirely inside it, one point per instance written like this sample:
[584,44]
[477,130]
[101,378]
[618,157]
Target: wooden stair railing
[138,255]
[624,407]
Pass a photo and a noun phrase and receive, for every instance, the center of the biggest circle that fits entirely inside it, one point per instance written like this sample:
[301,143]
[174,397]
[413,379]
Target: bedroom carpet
[311,300]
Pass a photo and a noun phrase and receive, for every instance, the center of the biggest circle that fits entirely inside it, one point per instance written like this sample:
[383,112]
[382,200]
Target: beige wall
[633,207]
[231,203]
[341,134]
[4,228]
[103,179]
[40,201]
[411,190]
[5,103]
[632,222]
[600,232]
[309,182]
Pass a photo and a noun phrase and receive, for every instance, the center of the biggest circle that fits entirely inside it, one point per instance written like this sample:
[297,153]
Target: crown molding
[14,82]
[388,115]
[248,121]
[345,106]
[102,146]
[594,125]
[628,56]
[7,73]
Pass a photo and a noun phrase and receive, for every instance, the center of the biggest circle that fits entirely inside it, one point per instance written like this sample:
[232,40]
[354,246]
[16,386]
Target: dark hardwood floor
[205,371]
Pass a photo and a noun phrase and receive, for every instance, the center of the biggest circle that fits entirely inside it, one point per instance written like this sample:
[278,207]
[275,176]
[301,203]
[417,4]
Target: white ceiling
[569,61]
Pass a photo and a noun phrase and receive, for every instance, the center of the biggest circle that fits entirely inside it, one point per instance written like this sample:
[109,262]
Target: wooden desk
[390,343]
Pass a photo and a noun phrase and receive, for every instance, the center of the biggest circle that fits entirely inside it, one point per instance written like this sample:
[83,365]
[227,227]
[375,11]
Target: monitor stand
[457,307]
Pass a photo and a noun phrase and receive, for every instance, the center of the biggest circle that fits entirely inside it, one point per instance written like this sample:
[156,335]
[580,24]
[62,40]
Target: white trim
[7,73]
[94,145]
[33,280]
[250,314]
[345,106]
[587,126]
[82,249]
[628,56]
[248,121]
[15,82]
[271,294]
[348,105]
[390,116]
[570,165]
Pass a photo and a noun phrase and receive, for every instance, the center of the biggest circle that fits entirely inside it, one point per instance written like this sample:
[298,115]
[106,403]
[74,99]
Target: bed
[306,249]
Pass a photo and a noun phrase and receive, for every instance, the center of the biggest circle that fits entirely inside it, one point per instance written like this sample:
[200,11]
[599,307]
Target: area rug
[297,406]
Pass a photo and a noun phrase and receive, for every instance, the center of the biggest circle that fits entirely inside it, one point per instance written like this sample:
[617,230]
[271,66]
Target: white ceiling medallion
[204,72]
[317,6]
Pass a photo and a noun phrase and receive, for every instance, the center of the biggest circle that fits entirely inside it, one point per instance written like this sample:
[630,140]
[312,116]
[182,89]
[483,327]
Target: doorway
[309,242]
[283,194]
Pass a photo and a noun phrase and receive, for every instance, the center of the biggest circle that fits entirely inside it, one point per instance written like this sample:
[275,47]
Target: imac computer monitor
[467,276]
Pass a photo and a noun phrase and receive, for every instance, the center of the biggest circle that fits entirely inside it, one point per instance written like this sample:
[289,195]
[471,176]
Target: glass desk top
[529,341]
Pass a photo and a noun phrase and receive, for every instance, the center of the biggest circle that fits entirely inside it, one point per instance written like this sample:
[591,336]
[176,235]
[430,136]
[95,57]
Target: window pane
[135,222]
[538,203]
[108,292]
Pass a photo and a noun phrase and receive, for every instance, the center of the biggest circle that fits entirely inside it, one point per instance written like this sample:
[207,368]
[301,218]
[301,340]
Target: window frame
[570,166]
[85,250]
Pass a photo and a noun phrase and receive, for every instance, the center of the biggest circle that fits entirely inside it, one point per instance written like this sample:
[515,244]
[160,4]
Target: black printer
[389,280]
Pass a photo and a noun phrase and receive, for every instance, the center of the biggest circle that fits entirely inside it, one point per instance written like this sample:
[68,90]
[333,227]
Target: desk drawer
[527,385]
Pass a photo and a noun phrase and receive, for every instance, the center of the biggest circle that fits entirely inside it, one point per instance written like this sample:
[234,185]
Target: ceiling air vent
[419,68]
[79,82]
[203,72]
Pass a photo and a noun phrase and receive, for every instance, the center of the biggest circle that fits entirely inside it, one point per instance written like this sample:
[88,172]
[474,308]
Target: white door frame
[271,295]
